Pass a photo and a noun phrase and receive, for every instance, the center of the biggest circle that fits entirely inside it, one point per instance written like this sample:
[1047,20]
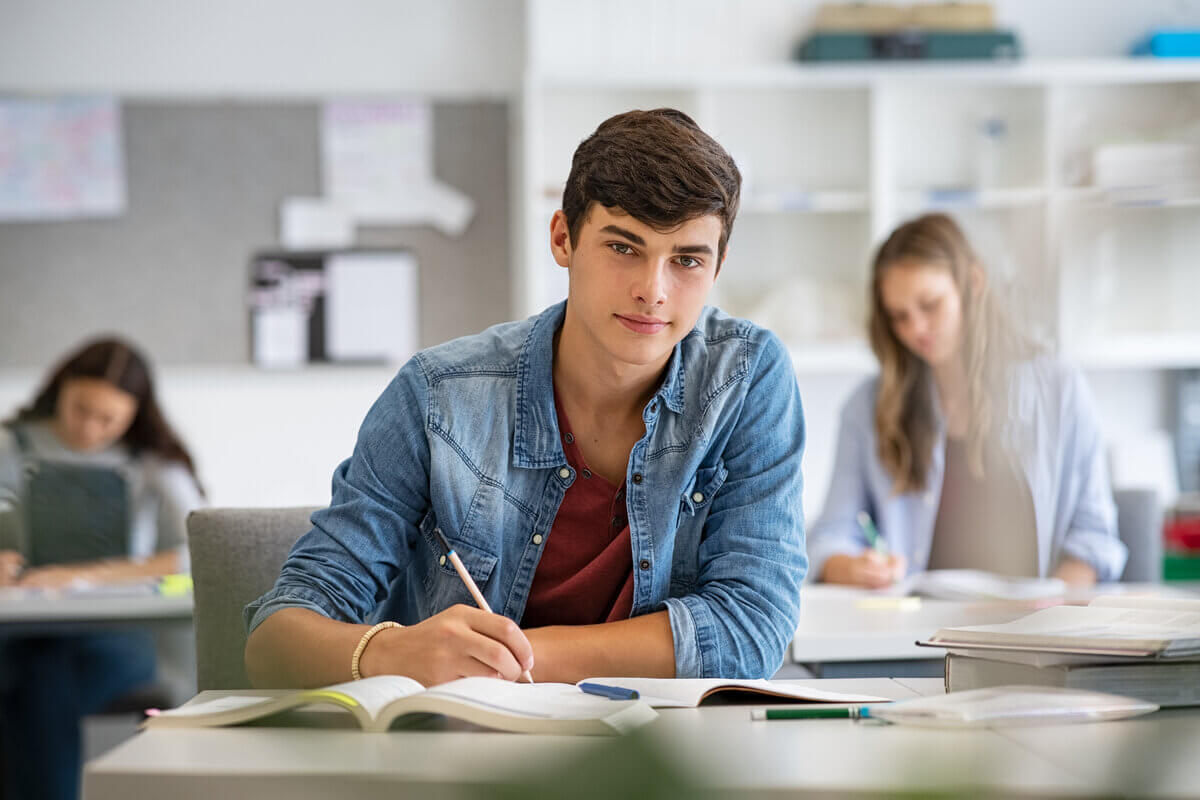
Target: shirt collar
[536,442]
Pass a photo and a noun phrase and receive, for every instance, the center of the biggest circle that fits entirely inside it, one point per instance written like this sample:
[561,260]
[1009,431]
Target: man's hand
[460,642]
[869,568]
[11,564]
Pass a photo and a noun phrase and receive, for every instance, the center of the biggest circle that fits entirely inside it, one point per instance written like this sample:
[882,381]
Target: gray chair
[1140,527]
[236,556]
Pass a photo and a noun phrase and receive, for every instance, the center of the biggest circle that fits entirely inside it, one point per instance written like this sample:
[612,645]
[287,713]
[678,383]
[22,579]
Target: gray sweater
[162,493]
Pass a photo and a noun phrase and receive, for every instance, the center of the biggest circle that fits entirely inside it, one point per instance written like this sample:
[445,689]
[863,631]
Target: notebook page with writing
[691,692]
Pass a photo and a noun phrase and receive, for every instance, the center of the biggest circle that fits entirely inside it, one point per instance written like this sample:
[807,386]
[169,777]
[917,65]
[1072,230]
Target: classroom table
[24,611]
[847,632]
[716,750]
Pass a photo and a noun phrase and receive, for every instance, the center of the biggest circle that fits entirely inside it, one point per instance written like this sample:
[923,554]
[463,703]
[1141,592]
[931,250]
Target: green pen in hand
[876,541]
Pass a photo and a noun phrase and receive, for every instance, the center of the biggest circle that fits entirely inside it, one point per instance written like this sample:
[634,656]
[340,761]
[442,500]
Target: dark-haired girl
[95,424]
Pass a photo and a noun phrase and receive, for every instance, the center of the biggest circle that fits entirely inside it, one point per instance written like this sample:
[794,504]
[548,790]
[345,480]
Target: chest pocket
[703,488]
[442,584]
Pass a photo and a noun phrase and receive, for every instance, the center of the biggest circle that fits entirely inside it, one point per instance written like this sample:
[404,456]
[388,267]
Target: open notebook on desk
[691,692]
[974,584]
[378,701]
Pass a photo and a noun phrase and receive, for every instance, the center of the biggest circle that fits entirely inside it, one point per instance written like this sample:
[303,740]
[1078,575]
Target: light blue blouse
[1058,448]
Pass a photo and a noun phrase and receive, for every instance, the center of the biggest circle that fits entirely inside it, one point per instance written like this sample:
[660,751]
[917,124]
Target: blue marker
[611,692]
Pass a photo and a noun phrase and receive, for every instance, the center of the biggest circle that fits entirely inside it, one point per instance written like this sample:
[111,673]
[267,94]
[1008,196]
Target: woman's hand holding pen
[459,642]
[870,568]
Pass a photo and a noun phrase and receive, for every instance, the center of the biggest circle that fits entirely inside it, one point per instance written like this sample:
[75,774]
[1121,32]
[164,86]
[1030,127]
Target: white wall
[304,48]
[258,438]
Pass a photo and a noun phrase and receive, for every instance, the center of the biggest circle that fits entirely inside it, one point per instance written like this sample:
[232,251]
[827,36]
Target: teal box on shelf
[1169,44]
[910,45]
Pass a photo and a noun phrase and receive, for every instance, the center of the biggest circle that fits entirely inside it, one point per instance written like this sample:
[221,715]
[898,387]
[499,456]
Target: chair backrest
[236,557]
[1140,526]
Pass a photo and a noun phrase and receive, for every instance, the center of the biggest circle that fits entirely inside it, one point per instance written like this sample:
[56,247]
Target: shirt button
[644,564]
[637,477]
[698,497]
[587,473]
[569,438]
[653,407]
[442,561]
[537,538]
[564,473]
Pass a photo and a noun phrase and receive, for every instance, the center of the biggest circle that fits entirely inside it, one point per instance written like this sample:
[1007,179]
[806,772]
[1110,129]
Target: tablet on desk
[75,512]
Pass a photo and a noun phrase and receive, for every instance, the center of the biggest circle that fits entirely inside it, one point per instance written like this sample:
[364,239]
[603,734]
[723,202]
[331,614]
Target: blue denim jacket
[1055,435]
[466,439]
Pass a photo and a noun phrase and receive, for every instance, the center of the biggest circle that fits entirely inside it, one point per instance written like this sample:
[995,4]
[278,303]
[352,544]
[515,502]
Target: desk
[22,611]
[168,617]
[849,632]
[719,747]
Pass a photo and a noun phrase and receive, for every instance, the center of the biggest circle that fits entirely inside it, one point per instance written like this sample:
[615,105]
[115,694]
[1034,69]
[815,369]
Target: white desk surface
[718,745]
[22,607]
[840,623]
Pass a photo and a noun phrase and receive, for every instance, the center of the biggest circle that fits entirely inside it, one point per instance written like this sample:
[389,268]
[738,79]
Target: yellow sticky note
[175,585]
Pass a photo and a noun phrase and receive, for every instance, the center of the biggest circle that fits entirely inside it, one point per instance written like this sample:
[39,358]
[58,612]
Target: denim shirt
[1057,447]
[465,439]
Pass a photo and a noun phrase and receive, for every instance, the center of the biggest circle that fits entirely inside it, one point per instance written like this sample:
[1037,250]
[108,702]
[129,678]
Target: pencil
[470,584]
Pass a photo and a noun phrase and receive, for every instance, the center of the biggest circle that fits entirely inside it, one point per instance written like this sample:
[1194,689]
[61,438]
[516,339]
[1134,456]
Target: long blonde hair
[905,420]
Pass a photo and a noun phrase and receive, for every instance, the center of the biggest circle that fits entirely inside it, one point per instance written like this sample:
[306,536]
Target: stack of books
[873,31]
[1143,647]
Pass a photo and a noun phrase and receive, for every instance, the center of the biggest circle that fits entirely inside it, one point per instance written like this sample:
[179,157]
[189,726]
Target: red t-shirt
[585,575]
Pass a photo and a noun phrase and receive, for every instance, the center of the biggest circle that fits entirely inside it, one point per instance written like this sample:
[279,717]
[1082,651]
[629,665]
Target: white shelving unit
[835,156]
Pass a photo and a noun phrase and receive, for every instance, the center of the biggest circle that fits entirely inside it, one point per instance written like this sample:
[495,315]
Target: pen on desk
[859,712]
[611,692]
[876,541]
[470,583]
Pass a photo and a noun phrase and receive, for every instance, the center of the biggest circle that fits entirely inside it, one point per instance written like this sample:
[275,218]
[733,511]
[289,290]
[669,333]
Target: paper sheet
[61,159]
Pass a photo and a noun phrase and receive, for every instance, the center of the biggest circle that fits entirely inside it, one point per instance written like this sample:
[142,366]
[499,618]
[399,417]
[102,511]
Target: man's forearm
[299,648]
[641,647]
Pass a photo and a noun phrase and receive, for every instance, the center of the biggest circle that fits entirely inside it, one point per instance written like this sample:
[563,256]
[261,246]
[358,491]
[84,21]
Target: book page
[372,694]
[690,692]
[546,700]
[974,584]
[1095,625]
[217,706]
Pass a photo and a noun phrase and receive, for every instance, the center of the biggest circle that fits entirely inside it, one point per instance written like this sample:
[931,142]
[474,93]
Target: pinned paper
[377,163]
[61,159]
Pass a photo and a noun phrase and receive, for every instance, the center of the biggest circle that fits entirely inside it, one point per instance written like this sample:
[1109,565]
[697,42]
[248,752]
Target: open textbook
[691,692]
[974,584]
[378,701]
[1110,626]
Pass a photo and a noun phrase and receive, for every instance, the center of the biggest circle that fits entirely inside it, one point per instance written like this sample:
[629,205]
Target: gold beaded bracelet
[362,645]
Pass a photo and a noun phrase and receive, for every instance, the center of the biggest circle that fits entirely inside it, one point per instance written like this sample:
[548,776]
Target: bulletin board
[204,184]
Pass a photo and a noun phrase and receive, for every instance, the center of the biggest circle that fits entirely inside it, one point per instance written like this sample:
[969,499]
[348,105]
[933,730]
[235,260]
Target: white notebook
[378,701]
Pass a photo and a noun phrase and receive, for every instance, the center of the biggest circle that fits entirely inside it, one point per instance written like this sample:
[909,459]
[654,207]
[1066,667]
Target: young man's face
[636,291]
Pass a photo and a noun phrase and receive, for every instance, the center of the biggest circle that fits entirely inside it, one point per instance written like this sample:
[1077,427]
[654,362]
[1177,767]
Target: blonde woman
[972,448]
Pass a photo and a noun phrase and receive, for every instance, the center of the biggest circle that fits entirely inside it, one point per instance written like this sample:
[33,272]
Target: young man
[620,474]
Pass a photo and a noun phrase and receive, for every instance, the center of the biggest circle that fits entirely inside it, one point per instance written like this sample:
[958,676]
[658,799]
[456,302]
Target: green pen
[873,538]
[853,713]
[859,712]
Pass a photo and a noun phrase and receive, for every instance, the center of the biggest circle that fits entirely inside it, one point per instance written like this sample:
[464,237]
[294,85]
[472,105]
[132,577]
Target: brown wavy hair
[657,166]
[905,421]
[120,364]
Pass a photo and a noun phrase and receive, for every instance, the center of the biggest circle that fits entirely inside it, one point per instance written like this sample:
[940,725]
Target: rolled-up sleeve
[1091,533]
[343,566]
[836,531]
[752,561]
